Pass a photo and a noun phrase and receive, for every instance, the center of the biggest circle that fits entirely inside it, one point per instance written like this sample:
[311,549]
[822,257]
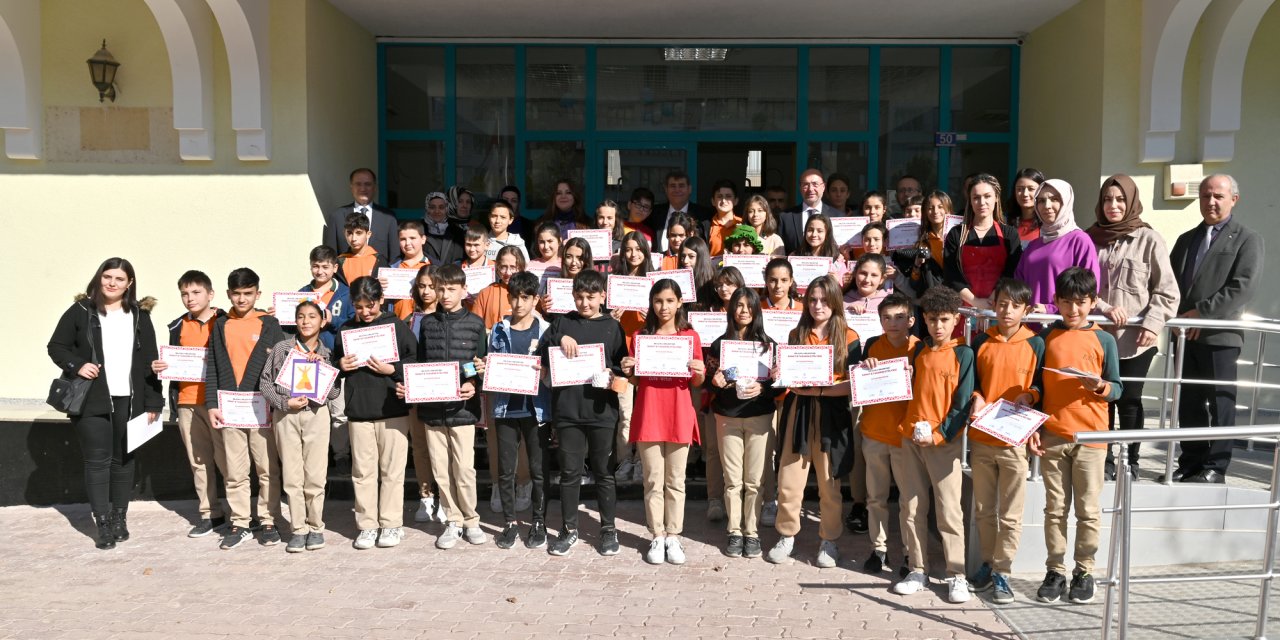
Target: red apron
[983,266]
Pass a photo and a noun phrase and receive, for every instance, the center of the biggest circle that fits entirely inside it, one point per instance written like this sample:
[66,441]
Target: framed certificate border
[501,386]
[853,387]
[725,345]
[618,280]
[995,406]
[255,397]
[584,351]
[447,367]
[682,277]
[794,348]
[377,328]
[174,349]
[639,371]
[750,265]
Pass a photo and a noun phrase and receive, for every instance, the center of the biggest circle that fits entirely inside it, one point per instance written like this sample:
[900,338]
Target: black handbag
[67,392]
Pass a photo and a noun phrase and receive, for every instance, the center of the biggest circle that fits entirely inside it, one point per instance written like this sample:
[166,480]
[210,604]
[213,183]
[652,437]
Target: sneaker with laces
[733,548]
[1082,587]
[366,539]
[426,510]
[751,547]
[1003,593]
[235,535]
[206,527]
[981,579]
[524,496]
[508,537]
[563,543]
[1052,588]
[270,536]
[474,535]
[390,537]
[675,552]
[915,581]
[315,540]
[957,590]
[781,552]
[495,500]
[828,555]
[297,543]
[715,510]
[856,522]
[449,539]
[769,513]
[537,536]
[875,562]
[657,553]
[608,543]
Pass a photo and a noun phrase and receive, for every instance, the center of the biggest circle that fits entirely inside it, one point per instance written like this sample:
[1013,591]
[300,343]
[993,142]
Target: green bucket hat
[744,232]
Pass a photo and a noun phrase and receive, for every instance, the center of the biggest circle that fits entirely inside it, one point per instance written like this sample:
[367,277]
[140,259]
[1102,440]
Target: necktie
[1202,250]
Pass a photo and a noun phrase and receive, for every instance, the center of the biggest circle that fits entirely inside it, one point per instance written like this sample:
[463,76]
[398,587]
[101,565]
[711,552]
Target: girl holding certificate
[817,426]
[695,256]
[925,257]
[546,246]
[632,260]
[424,303]
[727,281]
[663,425]
[574,259]
[819,242]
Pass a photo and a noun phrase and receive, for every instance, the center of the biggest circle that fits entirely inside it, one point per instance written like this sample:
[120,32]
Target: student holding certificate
[424,304]
[817,426]
[632,260]
[819,242]
[726,282]
[412,234]
[575,259]
[780,286]
[664,424]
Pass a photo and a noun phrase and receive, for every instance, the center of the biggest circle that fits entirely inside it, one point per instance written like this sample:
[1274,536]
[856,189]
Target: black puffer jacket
[70,348]
[456,336]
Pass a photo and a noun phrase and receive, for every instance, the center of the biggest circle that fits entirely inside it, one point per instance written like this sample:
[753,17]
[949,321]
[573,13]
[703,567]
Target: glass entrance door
[627,166]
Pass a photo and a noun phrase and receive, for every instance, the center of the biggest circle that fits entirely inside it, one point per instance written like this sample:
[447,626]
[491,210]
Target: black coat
[371,396]
[220,375]
[70,349]
[791,225]
[385,230]
[446,249]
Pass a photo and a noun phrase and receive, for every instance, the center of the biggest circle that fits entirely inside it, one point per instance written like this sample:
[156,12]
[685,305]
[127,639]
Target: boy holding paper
[1007,367]
[239,344]
[1073,473]
[362,260]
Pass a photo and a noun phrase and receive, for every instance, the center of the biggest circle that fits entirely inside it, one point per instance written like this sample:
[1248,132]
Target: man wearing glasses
[903,189]
[792,221]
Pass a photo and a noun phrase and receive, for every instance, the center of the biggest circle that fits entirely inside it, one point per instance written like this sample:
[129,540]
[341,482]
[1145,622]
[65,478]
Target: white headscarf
[1066,221]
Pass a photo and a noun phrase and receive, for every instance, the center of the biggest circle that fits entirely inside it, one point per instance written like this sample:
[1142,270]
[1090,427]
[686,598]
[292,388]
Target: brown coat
[1136,275]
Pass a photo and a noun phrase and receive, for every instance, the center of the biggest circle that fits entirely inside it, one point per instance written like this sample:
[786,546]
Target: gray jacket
[1137,277]
[1226,280]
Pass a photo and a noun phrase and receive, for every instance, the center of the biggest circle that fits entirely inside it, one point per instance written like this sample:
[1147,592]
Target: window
[414,169]
[556,89]
[486,121]
[908,113]
[838,95]
[414,88]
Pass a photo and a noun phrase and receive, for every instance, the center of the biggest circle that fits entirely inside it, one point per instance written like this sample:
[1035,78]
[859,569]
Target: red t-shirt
[663,409]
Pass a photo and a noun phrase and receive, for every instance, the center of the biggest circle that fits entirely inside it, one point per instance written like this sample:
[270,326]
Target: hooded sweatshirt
[1061,245]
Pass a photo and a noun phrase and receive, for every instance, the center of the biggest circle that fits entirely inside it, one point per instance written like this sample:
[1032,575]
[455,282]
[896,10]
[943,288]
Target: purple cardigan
[1042,262]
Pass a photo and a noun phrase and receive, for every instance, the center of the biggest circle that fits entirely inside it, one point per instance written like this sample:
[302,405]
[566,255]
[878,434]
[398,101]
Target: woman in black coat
[106,337]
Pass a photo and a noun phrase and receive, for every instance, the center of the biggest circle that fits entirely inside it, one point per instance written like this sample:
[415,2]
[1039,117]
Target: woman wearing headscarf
[1136,280]
[460,202]
[443,244]
[1061,245]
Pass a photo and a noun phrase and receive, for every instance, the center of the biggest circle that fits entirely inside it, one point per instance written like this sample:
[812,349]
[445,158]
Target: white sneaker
[715,510]
[769,513]
[475,535]
[915,581]
[675,552]
[657,553]
[524,496]
[366,539]
[447,540]
[390,537]
[495,500]
[625,472]
[828,555]
[587,478]
[426,511]
[957,589]
[781,552]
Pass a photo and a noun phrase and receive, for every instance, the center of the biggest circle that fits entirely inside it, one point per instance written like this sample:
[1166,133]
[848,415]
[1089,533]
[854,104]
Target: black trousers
[108,470]
[1202,403]
[536,438]
[586,446]
[1128,410]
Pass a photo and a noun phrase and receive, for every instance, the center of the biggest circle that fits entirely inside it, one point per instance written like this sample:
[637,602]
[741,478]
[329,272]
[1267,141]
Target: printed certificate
[286,304]
[751,265]
[709,325]
[561,292]
[751,361]
[304,377]
[431,382]
[806,268]
[399,283]
[666,356]
[511,373]
[951,222]
[601,241]
[186,364]
[567,372]
[903,233]
[478,278]
[778,323]
[867,325]
[805,365]
[890,381]
[1009,422]
[1073,372]
[683,277]
[629,293]
[364,342]
[244,410]
[847,230]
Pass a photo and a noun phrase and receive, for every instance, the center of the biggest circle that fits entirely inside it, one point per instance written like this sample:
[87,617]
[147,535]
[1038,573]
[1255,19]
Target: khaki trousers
[744,448]
[769,484]
[793,474]
[379,450]
[421,458]
[710,445]
[664,464]
[302,438]
[205,455]
[917,469]
[453,463]
[626,403]
[1073,475]
[879,479]
[999,492]
[256,446]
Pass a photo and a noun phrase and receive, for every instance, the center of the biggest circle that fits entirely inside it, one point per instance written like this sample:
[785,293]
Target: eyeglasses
[642,206]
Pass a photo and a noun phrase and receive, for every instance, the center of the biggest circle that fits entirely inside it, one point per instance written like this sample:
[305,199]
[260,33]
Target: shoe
[715,510]
[1208,476]
[235,535]
[828,555]
[750,547]
[625,473]
[957,590]
[769,513]
[447,540]
[981,581]
[315,540]
[1109,471]
[508,537]
[857,520]
[657,553]
[1178,475]
[426,510]
[105,538]
[675,552]
[537,536]
[1053,587]
[474,535]
[608,543]
[524,496]
[205,527]
[366,540]
[270,536]
[563,543]
[495,500]
[119,525]
[390,537]
[733,548]
[1003,593]
[781,552]
[875,562]
[297,543]
[915,581]
[342,465]
[587,478]
[1082,587]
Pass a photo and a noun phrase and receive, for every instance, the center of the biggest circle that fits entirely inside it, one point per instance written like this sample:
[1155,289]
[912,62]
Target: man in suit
[791,222]
[1217,265]
[443,244]
[383,226]
[677,188]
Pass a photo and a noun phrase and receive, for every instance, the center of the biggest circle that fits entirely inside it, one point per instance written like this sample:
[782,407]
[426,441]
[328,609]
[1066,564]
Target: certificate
[512,373]
[890,381]
[1073,372]
[561,292]
[709,325]
[431,382]
[1009,422]
[951,222]
[751,361]
[399,283]
[805,365]
[806,269]
[478,278]
[286,304]
[903,233]
[866,325]
[601,241]
[566,372]
[778,323]
[244,410]
[666,356]
[751,265]
[141,429]
[847,230]
[629,293]
[376,341]
[327,375]
[682,277]
[186,364]
[655,259]
[544,273]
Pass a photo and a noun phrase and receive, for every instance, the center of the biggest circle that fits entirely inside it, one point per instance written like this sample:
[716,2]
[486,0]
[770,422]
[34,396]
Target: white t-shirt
[117,350]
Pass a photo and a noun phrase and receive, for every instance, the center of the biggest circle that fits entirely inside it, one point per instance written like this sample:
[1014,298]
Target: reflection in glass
[849,158]
[549,162]
[414,169]
[908,114]
[486,85]
[969,158]
[981,80]
[556,88]
[414,88]
[838,94]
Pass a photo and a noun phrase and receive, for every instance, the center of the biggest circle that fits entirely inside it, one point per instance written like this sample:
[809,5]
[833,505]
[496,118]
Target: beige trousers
[1073,476]
[622,448]
[379,450]
[793,474]
[917,469]
[243,447]
[664,464]
[744,447]
[302,438]
[453,463]
[879,479]
[340,439]
[999,492]
[205,455]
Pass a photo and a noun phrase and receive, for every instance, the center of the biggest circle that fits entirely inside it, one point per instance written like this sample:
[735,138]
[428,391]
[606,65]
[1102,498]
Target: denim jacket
[500,342]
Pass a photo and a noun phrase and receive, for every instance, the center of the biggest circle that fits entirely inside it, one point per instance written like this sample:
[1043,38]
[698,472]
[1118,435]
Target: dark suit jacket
[385,230]
[791,225]
[1226,280]
[658,221]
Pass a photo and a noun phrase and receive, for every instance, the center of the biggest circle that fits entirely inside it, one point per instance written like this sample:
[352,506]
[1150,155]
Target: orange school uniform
[193,333]
[359,264]
[492,304]
[1006,369]
[404,308]
[1072,408]
[880,421]
[942,389]
[242,336]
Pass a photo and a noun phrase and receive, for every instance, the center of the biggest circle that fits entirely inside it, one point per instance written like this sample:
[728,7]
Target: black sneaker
[235,535]
[875,562]
[608,543]
[297,543]
[1053,587]
[981,581]
[270,536]
[751,547]
[508,537]
[734,548]
[563,543]
[315,540]
[857,520]
[205,527]
[1081,587]
[537,536]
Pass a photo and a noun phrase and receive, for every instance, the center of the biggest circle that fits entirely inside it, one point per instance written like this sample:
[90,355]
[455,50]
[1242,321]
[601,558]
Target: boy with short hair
[412,234]
[362,259]
[1006,367]
[929,458]
[335,299]
[186,401]
[239,345]
[475,246]
[501,217]
[453,334]
[1074,472]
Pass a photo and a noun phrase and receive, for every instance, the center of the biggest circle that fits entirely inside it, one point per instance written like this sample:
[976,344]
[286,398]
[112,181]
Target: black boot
[119,526]
[105,539]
